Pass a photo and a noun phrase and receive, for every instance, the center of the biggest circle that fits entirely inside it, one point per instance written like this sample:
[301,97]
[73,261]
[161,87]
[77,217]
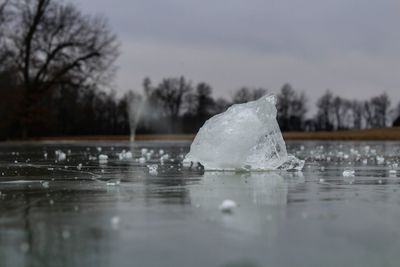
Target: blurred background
[105,68]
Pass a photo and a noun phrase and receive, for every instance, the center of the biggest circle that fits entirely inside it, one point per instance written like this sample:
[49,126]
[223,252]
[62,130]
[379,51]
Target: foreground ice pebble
[103,159]
[61,156]
[153,169]
[227,206]
[245,137]
[348,173]
[125,155]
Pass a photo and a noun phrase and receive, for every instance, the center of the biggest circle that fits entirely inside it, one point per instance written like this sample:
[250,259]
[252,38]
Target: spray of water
[135,105]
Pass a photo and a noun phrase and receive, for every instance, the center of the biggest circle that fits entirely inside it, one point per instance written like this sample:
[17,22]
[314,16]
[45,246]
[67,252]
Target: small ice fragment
[380,160]
[365,161]
[143,151]
[161,152]
[148,155]
[125,155]
[45,155]
[45,184]
[103,158]
[60,155]
[348,173]
[142,160]
[245,134]
[65,234]
[128,155]
[322,180]
[227,206]
[117,182]
[153,169]
[79,167]
[99,149]
[92,158]
[392,171]
[187,164]
[51,202]
[115,222]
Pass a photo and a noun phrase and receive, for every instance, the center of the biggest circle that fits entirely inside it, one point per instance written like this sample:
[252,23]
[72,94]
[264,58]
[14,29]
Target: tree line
[56,65]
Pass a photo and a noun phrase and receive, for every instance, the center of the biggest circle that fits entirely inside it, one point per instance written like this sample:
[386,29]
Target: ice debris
[246,136]
[348,173]
[103,157]
[227,206]
[60,155]
[115,222]
[153,169]
[125,155]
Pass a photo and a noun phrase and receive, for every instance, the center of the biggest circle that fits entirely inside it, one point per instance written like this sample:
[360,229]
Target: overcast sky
[349,46]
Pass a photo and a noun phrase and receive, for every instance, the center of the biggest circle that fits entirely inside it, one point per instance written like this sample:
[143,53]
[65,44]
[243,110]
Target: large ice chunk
[246,136]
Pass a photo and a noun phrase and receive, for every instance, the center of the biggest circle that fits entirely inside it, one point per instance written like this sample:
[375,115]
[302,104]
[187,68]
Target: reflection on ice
[258,197]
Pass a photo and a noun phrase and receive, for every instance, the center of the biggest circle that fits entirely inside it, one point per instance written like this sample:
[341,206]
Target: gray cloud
[350,46]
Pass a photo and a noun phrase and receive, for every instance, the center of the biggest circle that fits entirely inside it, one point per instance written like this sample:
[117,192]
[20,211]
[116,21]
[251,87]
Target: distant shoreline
[385,134]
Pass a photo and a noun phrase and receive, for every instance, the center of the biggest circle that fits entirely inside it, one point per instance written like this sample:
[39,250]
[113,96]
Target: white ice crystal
[103,157]
[227,206]
[60,155]
[125,155]
[153,169]
[246,136]
[348,173]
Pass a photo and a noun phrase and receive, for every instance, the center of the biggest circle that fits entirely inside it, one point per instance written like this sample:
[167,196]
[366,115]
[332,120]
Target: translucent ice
[246,137]
[227,206]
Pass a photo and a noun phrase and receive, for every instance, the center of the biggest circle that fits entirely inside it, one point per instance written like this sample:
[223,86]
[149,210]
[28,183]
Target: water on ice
[246,137]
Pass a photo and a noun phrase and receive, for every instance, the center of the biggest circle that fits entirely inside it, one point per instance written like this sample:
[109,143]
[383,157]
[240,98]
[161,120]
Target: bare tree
[204,100]
[221,105]
[55,44]
[291,108]
[341,110]
[357,112]
[5,16]
[324,118]
[170,93]
[246,94]
[377,111]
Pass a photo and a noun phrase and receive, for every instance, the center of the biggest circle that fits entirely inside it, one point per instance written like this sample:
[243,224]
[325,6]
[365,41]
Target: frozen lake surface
[343,209]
